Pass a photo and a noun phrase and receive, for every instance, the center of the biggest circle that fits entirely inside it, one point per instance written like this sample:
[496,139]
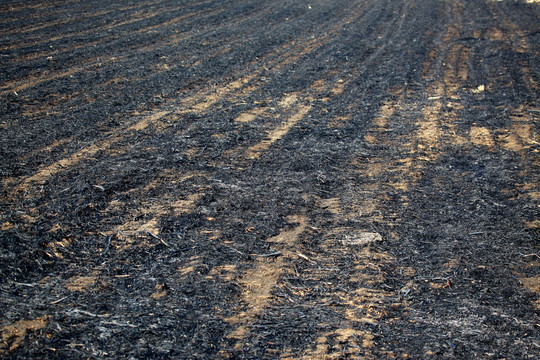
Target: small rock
[362,238]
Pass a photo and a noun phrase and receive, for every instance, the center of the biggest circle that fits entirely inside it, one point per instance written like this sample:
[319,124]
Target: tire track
[438,132]
[128,19]
[89,64]
[367,304]
[199,102]
[520,136]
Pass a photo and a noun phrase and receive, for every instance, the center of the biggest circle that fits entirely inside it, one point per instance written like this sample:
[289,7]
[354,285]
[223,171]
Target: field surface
[287,179]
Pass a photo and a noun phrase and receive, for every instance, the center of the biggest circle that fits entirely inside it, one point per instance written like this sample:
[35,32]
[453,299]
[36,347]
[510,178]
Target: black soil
[257,179]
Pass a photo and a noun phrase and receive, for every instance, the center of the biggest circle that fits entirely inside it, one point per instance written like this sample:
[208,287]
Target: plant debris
[257,179]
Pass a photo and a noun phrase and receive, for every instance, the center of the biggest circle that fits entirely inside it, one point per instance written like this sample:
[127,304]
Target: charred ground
[269,179]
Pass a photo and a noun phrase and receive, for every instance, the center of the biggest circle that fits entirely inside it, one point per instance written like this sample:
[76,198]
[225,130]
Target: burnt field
[251,179]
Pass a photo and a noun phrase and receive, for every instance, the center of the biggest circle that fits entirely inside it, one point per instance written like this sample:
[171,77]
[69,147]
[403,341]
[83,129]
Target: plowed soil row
[256,179]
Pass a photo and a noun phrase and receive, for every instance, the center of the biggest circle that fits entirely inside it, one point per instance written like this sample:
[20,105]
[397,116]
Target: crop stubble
[270,179]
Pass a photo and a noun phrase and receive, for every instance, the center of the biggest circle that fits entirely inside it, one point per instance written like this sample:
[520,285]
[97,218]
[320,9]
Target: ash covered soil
[257,179]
